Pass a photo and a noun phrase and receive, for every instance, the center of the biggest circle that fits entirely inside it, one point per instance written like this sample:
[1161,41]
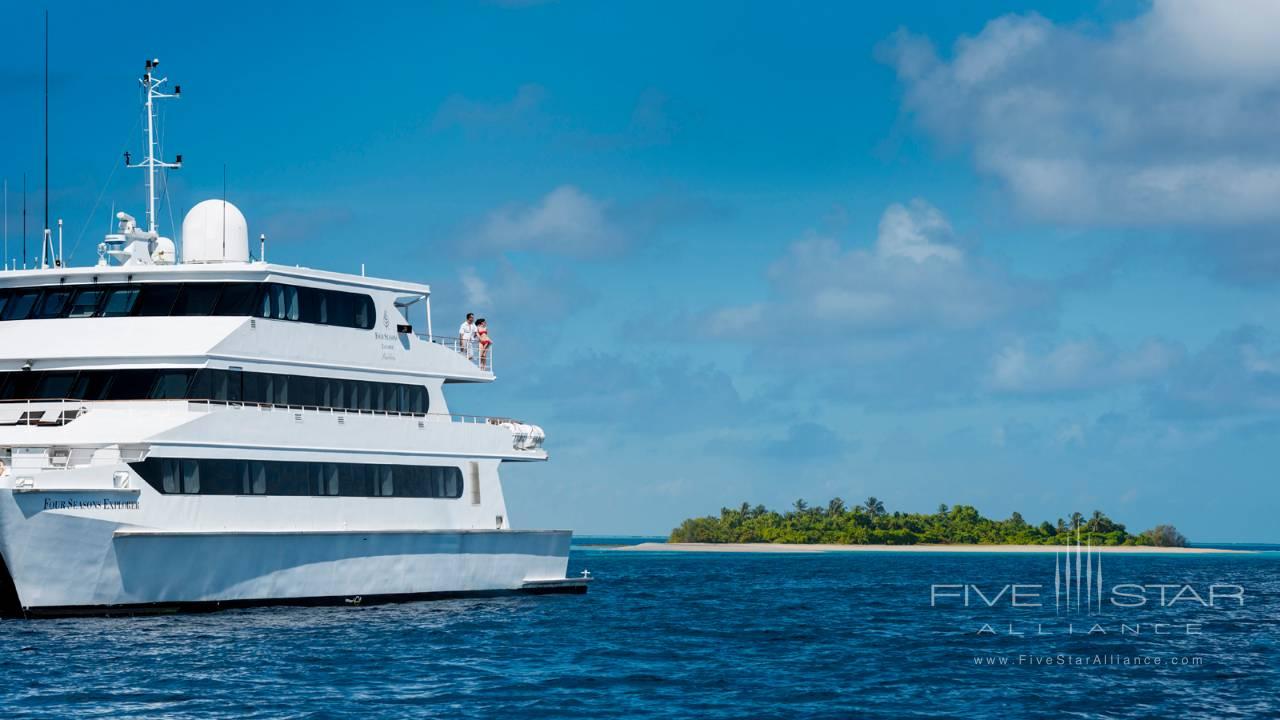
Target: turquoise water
[683,635]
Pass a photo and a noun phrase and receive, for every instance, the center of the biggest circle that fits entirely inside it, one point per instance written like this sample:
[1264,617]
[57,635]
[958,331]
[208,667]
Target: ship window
[92,385]
[4,299]
[219,477]
[324,479]
[171,385]
[264,308]
[219,385]
[256,482]
[172,479]
[86,302]
[132,384]
[290,302]
[120,301]
[52,304]
[156,299]
[279,389]
[302,391]
[311,301]
[190,476]
[196,299]
[55,385]
[21,304]
[289,478]
[236,299]
[277,301]
[364,313]
[201,387]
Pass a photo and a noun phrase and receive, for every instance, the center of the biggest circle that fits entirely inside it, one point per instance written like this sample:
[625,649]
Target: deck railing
[471,349]
[40,413]
[60,411]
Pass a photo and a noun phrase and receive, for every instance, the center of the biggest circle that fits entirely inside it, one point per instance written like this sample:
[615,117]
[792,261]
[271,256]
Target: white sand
[785,548]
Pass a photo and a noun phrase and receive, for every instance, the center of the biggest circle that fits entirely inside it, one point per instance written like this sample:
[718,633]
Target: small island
[837,524]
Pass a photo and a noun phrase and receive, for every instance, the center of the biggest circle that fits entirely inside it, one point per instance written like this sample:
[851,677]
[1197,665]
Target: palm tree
[800,506]
[874,507]
[836,506]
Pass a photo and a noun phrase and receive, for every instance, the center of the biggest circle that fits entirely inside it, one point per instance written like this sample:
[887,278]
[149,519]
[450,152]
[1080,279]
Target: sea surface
[697,635]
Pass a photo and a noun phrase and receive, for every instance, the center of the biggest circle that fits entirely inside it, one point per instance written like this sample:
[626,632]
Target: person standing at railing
[486,344]
[466,334]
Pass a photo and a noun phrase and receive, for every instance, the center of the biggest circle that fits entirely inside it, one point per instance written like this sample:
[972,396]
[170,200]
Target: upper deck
[247,312]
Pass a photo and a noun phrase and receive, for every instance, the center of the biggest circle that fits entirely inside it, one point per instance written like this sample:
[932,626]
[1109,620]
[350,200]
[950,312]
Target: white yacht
[206,430]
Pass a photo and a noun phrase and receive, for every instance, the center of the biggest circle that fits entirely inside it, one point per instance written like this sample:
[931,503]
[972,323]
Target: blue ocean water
[689,635]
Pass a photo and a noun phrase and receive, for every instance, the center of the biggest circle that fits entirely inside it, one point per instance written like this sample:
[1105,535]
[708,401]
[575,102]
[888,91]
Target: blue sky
[1017,255]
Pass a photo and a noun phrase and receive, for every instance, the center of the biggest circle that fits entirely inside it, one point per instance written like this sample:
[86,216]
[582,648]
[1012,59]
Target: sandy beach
[782,548]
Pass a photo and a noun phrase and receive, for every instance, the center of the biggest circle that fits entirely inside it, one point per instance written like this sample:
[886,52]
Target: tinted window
[156,300]
[55,385]
[132,384]
[52,304]
[120,302]
[274,477]
[21,304]
[171,385]
[86,302]
[197,299]
[219,385]
[236,299]
[278,301]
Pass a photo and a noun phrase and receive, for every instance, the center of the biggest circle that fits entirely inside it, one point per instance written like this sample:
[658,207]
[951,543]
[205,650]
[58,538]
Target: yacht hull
[64,560]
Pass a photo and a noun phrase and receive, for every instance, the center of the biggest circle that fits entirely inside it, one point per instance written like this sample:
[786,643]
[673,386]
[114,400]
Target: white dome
[215,231]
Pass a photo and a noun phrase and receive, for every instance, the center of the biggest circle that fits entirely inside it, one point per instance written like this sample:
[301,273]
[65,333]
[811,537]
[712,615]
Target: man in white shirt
[466,334]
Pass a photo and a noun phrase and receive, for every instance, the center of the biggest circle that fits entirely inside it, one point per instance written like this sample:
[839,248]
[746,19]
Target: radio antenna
[152,85]
[46,242]
[46,127]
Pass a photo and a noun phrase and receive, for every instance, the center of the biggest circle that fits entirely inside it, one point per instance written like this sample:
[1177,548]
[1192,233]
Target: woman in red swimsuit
[482,334]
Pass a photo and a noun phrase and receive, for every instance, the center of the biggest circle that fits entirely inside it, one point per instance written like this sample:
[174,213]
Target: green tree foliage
[870,524]
[1162,536]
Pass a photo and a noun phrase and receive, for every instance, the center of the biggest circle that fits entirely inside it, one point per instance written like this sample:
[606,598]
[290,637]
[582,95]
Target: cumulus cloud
[505,289]
[1078,366]
[565,222]
[1166,118]
[915,277]
[907,320]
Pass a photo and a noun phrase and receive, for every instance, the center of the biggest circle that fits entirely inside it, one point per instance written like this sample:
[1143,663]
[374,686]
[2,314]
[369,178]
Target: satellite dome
[215,231]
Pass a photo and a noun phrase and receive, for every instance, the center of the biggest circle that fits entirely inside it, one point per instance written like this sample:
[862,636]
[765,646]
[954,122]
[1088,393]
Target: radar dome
[214,231]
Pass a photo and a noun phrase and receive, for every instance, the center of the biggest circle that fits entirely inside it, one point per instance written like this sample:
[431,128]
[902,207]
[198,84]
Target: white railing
[472,349]
[40,413]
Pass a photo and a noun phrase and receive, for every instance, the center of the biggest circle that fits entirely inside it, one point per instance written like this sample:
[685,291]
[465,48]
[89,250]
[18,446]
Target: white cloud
[475,289]
[1077,366]
[914,278]
[566,221]
[1166,118]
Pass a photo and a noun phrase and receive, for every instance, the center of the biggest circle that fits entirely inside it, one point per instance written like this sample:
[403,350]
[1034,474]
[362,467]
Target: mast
[46,132]
[151,162]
